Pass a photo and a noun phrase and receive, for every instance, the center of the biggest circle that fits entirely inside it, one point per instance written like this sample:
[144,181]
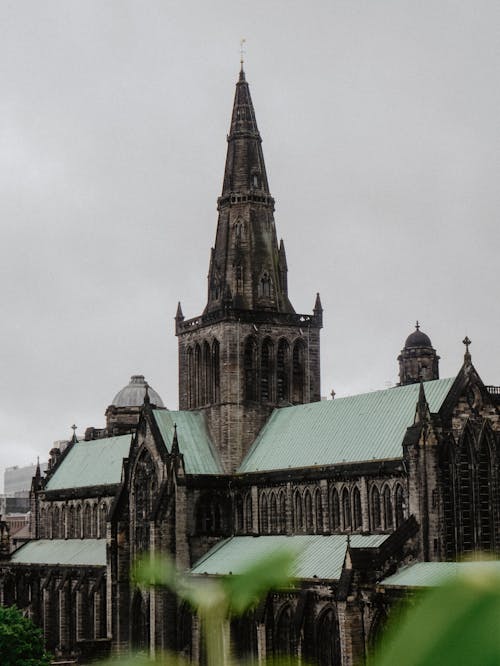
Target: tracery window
[485,487]
[265,285]
[55,522]
[346,509]
[103,516]
[399,498]
[298,372]
[299,522]
[264,516]
[285,640]
[282,513]
[250,369]
[207,374]
[190,373]
[239,513]
[215,371]
[335,510]
[266,370]
[248,513]
[144,487]
[87,522]
[308,511]
[356,509]
[328,648]
[375,508]
[273,514]
[282,367]
[318,508]
[387,502]
[466,494]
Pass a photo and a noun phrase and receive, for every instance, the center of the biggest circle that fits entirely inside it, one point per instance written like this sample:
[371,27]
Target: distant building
[17,480]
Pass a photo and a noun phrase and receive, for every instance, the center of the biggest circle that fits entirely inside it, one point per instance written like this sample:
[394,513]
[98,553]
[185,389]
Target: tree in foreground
[21,643]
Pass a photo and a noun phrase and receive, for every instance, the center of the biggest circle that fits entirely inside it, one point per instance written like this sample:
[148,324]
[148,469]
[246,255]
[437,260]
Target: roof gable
[200,456]
[365,427]
[97,462]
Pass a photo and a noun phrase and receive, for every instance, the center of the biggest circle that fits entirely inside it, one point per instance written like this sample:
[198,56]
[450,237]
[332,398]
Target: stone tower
[249,351]
[418,360]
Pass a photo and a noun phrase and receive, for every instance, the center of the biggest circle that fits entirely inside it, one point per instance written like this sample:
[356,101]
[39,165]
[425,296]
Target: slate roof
[200,456]
[316,556]
[84,552]
[97,462]
[432,574]
[365,427]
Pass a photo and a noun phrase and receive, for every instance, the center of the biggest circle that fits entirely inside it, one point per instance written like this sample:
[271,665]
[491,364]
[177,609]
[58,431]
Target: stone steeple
[248,269]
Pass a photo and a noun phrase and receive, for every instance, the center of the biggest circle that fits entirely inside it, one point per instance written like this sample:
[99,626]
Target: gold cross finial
[242,51]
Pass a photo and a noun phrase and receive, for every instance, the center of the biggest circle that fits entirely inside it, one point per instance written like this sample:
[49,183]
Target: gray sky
[380,123]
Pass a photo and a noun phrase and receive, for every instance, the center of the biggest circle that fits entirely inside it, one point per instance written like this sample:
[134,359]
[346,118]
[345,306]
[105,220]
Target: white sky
[380,123]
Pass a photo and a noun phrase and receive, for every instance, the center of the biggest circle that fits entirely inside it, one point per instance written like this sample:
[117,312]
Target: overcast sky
[380,126]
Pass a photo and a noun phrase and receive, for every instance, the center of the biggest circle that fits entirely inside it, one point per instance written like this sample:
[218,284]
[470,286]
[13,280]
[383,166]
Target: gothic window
[87,522]
[215,371]
[144,485]
[299,523]
[71,523]
[250,369]
[244,639]
[64,520]
[449,504]
[103,515]
[95,532]
[400,504]
[285,635]
[207,372]
[298,372]
[387,502]
[248,513]
[282,513]
[485,484]
[346,510]
[466,495]
[264,516]
[318,508]
[190,373]
[308,511]
[265,285]
[273,514]
[238,273]
[282,368]
[78,522]
[140,622]
[335,510]
[239,513]
[55,522]
[328,649]
[356,509]
[266,370]
[211,515]
[255,180]
[375,509]
[198,376]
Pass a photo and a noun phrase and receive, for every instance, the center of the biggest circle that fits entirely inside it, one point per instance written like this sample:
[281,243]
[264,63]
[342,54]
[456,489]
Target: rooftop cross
[467,356]
[242,51]
[466,342]
[417,325]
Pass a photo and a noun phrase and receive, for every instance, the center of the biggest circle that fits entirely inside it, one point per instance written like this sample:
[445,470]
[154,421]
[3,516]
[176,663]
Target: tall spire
[246,261]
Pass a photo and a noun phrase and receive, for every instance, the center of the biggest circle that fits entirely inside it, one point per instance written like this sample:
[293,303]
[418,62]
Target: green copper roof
[363,427]
[316,556]
[432,574]
[195,444]
[94,463]
[85,552]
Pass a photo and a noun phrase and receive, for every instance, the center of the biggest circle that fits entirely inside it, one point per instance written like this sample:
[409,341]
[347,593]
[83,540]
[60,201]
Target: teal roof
[316,556]
[94,463]
[85,552]
[195,444]
[363,427]
[432,574]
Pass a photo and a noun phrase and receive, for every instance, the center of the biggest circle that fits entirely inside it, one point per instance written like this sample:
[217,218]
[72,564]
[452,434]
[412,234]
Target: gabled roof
[83,552]
[316,556]
[365,427]
[432,574]
[200,456]
[97,462]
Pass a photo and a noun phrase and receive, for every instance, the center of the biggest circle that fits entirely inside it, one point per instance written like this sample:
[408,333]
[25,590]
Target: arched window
[299,523]
[449,485]
[387,501]
[266,371]
[318,510]
[335,510]
[265,285]
[198,376]
[70,530]
[485,486]
[215,371]
[78,522]
[273,514]
[346,510]
[285,641]
[264,516]
[55,522]
[308,511]
[95,521]
[399,498]
[207,374]
[282,513]
[248,513]
[375,509]
[356,509]
[144,484]
[191,378]
[103,517]
[87,522]
[250,369]
[63,523]
[140,622]
[238,510]
[466,495]
[298,372]
[327,643]
[282,368]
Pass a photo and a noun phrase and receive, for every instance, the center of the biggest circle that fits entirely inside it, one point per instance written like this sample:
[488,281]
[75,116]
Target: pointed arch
[399,504]
[376,513]
[248,513]
[449,494]
[387,504]
[238,514]
[273,513]
[215,374]
[282,371]
[55,522]
[466,492]
[191,378]
[282,513]
[485,482]
[346,510]
[140,630]
[308,511]
[357,516]
[103,517]
[250,368]
[87,521]
[298,372]
[206,374]
[335,510]
[198,376]
[284,638]
[70,530]
[298,513]
[264,515]
[327,639]
[318,511]
[266,370]
[95,521]
[78,521]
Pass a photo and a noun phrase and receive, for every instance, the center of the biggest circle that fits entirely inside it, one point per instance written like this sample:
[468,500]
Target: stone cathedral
[383,492]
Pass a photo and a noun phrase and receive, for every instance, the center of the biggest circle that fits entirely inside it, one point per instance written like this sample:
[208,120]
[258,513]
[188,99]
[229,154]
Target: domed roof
[418,338]
[133,394]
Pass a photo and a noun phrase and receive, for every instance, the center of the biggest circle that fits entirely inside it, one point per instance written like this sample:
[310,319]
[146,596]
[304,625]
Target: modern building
[380,492]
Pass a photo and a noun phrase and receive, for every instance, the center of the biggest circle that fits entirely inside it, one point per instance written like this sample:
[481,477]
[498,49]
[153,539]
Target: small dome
[133,394]
[418,338]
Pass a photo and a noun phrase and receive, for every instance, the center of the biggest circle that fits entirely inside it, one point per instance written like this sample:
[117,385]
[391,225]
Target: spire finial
[466,341]
[73,428]
[417,325]
[242,52]
[175,441]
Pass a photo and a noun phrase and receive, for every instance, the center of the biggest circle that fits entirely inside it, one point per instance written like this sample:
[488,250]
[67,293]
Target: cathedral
[383,493]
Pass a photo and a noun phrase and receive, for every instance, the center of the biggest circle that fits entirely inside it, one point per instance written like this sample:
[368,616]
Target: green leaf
[268,573]
[455,625]
[150,570]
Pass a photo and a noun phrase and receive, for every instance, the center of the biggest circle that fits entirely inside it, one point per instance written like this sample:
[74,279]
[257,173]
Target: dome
[133,394]
[418,339]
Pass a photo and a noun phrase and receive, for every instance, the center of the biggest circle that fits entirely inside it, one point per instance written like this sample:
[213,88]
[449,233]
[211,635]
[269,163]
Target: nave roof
[75,552]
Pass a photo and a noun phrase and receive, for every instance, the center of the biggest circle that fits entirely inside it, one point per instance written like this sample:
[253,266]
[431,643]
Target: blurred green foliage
[21,643]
